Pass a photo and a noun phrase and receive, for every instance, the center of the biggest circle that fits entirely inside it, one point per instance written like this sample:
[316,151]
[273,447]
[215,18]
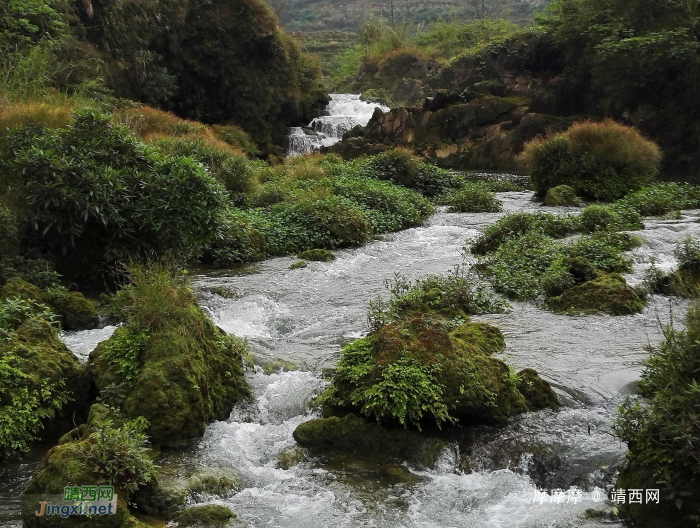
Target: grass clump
[662,431]
[600,161]
[471,198]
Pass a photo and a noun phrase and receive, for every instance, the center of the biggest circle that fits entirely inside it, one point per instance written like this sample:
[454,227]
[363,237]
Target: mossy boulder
[608,294]
[209,516]
[67,465]
[75,311]
[354,435]
[321,255]
[169,363]
[174,489]
[415,371]
[44,388]
[299,264]
[580,268]
[561,195]
[537,392]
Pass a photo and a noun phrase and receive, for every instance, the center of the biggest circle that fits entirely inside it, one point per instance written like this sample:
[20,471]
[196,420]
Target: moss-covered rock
[355,435]
[608,294]
[298,265]
[415,371]
[537,392]
[74,310]
[580,268]
[209,516]
[561,195]
[321,255]
[169,362]
[67,465]
[43,385]
[291,457]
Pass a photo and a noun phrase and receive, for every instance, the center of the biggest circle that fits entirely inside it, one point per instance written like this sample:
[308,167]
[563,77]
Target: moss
[321,255]
[537,392]
[580,269]
[291,457]
[607,294]
[74,310]
[562,195]
[352,434]
[415,371]
[53,387]
[211,515]
[486,337]
[66,465]
[185,374]
[299,264]
[279,365]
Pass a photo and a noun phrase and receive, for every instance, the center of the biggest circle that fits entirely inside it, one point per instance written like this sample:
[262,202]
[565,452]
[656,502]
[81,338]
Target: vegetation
[168,363]
[471,198]
[600,161]
[662,430]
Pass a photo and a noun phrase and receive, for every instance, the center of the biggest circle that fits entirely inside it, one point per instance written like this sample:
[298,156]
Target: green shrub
[471,198]
[94,194]
[662,433]
[520,223]
[403,168]
[9,233]
[521,266]
[119,455]
[388,207]
[618,216]
[600,161]
[232,171]
[657,200]
[242,241]
[13,312]
[455,295]
[603,250]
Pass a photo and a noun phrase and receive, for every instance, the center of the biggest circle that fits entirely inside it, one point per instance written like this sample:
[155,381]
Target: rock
[352,434]
[74,310]
[291,457]
[66,465]
[397,362]
[562,195]
[209,516]
[58,387]
[321,255]
[298,265]
[607,294]
[490,88]
[169,363]
[537,392]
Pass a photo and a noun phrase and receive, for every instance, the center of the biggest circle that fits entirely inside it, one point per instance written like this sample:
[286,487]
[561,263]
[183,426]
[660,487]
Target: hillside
[325,15]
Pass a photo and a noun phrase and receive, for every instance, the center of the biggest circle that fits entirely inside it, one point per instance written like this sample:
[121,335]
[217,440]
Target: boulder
[208,516]
[562,195]
[608,294]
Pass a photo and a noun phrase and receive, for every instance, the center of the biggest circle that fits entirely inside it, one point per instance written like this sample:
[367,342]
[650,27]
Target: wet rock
[298,265]
[352,434]
[486,337]
[291,457]
[562,195]
[209,516]
[537,392]
[321,255]
[74,310]
[608,294]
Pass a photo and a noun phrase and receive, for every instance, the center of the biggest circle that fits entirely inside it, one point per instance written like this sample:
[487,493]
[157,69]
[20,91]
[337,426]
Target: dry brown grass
[35,113]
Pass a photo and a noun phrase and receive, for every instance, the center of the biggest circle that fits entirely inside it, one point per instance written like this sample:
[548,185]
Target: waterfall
[345,111]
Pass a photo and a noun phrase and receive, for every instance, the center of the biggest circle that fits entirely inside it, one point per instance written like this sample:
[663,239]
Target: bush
[471,198]
[662,433]
[242,241]
[520,223]
[657,200]
[13,312]
[616,217]
[600,161]
[403,168]
[231,170]
[94,194]
[388,207]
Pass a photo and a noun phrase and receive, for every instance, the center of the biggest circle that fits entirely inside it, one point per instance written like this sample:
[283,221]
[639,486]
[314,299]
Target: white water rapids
[303,316]
[345,112]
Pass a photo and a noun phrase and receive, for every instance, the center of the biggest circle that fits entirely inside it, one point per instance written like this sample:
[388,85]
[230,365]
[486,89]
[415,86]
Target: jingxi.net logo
[78,500]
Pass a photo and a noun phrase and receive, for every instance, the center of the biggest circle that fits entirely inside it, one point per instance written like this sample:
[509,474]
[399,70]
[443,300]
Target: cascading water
[345,111]
[303,316]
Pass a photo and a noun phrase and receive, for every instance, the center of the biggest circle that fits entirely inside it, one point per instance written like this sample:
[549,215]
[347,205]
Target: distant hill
[334,15]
